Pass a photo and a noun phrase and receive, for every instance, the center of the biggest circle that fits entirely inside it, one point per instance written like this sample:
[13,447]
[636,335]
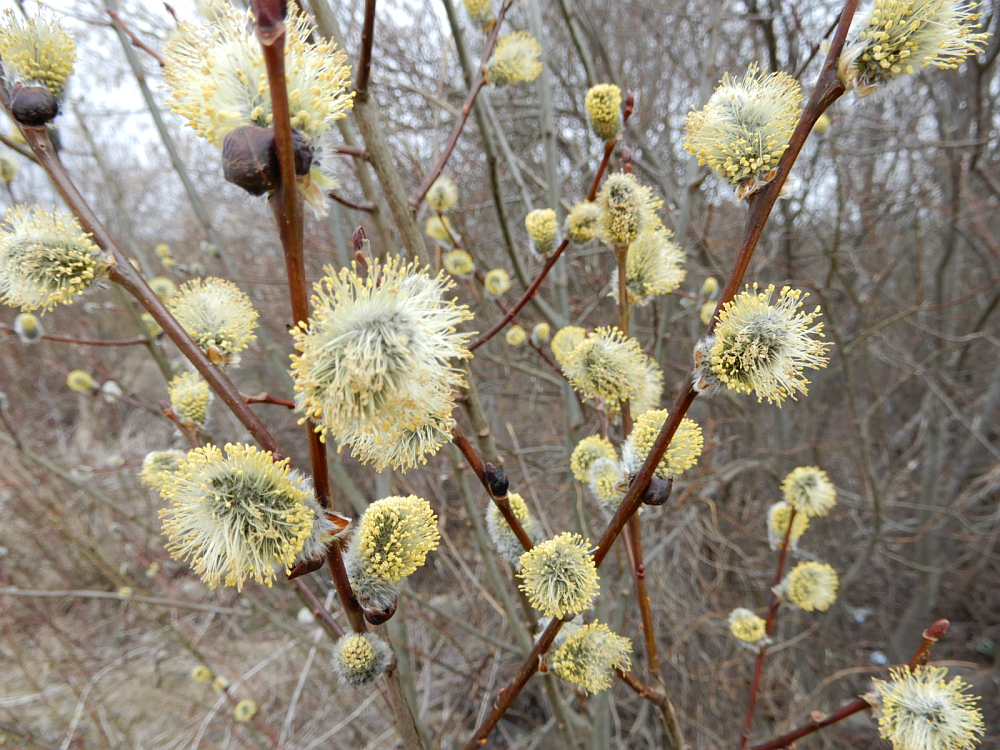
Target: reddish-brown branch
[531,290]
[528,294]
[828,89]
[286,206]
[137,341]
[514,688]
[266,398]
[367,207]
[502,503]
[609,148]
[855,706]
[168,412]
[772,614]
[642,689]
[131,280]
[136,41]
[365,56]
[633,542]
[503,309]
[470,100]
[356,151]
[931,636]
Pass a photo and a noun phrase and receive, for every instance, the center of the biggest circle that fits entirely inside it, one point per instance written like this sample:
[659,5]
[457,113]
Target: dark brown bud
[360,238]
[250,158]
[496,480]
[658,490]
[32,106]
[306,567]
[626,159]
[629,106]
[269,14]
[379,616]
[362,247]
[303,153]
[937,630]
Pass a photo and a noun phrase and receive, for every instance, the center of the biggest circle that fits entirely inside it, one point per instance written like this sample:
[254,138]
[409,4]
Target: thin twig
[266,398]
[355,151]
[502,503]
[159,601]
[828,89]
[366,207]
[128,277]
[513,689]
[772,614]
[137,341]
[286,206]
[642,689]
[531,290]
[609,148]
[136,41]
[332,626]
[20,148]
[855,706]
[470,100]
[365,55]
[931,635]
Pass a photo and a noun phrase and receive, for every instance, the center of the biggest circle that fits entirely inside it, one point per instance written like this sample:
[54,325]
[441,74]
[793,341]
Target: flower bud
[8,168]
[515,59]
[559,576]
[28,328]
[381,616]
[515,335]
[33,106]
[658,491]
[458,262]
[439,228]
[603,103]
[481,13]
[565,341]
[709,287]
[392,540]
[543,229]
[79,381]
[163,287]
[810,586]
[747,626]
[443,194]
[37,59]
[584,221]
[359,658]
[201,673]
[245,710]
[250,158]
[586,452]
[496,480]
[497,282]
[540,333]
[588,655]
[507,545]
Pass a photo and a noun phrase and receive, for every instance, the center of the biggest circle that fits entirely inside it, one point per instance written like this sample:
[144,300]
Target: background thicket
[891,225]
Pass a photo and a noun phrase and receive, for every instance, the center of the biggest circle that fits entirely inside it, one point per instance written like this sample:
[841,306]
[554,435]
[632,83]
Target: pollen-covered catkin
[559,576]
